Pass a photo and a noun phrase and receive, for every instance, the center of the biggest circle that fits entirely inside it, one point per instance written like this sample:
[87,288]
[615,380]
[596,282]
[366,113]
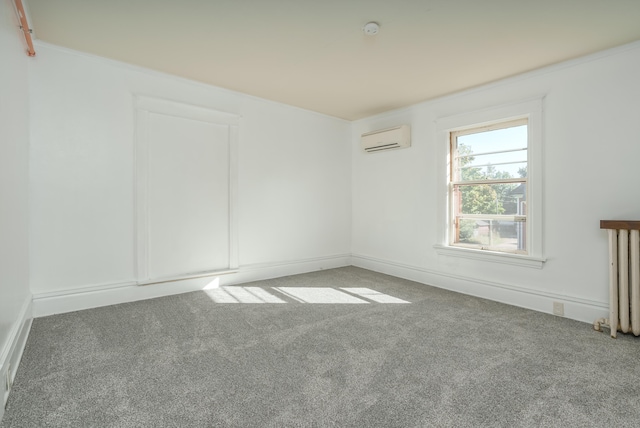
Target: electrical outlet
[8,385]
[558,309]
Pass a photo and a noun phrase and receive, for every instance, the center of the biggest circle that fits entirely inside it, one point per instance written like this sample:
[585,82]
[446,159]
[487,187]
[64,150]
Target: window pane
[497,140]
[499,199]
[489,234]
[499,165]
[496,154]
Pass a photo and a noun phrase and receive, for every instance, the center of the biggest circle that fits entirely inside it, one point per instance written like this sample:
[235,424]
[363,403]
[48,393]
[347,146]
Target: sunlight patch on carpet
[374,295]
[313,295]
[320,295]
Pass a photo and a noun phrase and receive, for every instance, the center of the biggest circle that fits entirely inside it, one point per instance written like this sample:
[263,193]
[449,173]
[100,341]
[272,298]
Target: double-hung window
[490,184]
[488,187]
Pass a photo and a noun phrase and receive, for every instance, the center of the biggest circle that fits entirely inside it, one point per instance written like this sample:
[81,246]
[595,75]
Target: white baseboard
[70,300]
[88,297]
[12,353]
[575,308]
[260,271]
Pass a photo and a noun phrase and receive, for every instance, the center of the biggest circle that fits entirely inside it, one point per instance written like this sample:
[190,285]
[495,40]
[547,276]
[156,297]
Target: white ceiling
[313,53]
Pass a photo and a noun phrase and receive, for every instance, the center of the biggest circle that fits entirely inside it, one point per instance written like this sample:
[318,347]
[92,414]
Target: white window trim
[530,109]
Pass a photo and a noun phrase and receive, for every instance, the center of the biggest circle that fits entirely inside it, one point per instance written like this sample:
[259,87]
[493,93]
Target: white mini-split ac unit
[386,139]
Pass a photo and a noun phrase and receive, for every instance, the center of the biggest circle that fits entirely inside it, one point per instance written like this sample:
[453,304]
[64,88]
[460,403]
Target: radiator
[624,277]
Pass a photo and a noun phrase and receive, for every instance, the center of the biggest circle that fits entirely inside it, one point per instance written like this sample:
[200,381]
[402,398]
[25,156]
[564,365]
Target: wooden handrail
[620,224]
[24,25]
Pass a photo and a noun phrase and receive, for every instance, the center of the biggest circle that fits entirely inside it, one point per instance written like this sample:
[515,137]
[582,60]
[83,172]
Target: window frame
[488,117]
[456,182]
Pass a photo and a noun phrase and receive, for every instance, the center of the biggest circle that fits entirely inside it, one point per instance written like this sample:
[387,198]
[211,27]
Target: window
[490,184]
[488,187]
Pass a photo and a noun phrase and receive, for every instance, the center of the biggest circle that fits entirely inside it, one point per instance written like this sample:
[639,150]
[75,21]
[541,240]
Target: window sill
[490,256]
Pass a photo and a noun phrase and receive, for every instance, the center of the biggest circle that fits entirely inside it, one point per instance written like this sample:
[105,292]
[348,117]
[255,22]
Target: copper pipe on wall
[24,25]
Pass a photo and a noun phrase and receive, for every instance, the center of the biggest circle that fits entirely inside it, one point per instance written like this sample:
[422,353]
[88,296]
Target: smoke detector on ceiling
[371,28]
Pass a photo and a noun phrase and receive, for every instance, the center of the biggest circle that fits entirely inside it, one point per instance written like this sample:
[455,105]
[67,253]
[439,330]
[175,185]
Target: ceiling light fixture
[371,28]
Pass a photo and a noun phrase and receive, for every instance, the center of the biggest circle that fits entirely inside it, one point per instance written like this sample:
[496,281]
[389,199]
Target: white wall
[293,182]
[307,200]
[14,151]
[590,165]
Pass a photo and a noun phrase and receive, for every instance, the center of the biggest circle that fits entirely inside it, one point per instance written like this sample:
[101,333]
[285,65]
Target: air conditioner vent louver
[386,139]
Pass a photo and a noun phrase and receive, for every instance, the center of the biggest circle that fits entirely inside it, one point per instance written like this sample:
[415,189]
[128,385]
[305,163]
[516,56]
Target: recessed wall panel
[188,196]
[185,198]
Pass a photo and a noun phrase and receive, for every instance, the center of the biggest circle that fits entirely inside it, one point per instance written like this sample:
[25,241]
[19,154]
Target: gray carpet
[443,360]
